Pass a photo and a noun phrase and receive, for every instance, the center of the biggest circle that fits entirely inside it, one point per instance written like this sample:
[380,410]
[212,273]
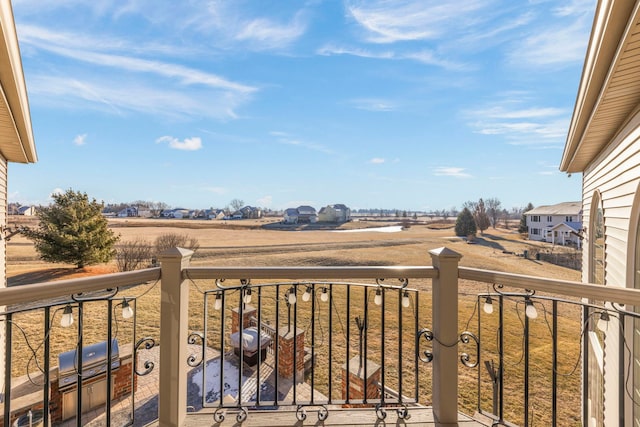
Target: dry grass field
[261,243]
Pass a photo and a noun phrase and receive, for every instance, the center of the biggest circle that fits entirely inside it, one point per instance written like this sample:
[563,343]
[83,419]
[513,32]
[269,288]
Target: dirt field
[264,242]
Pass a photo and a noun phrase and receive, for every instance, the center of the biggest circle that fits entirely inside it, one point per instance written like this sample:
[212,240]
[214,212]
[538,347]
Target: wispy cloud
[80,139]
[265,201]
[271,35]
[188,144]
[423,56]
[371,104]
[536,127]
[451,171]
[377,161]
[286,139]
[406,20]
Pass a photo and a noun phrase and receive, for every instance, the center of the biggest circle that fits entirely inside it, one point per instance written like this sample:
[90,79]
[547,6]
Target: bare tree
[133,254]
[174,240]
[493,210]
[236,204]
[156,208]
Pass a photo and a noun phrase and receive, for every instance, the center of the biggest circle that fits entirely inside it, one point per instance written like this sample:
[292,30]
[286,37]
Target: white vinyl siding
[615,174]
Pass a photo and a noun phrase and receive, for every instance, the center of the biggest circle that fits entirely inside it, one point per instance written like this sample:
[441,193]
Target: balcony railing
[309,341]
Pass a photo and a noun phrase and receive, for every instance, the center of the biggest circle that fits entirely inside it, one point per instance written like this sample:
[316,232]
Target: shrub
[174,240]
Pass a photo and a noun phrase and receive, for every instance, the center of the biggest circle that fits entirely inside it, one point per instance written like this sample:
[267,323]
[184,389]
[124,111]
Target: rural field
[262,243]
[358,243]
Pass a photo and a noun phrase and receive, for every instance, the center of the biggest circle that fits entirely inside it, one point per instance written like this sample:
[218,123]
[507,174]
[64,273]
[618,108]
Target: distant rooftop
[564,208]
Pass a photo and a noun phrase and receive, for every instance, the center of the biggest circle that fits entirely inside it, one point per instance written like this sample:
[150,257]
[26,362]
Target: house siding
[615,174]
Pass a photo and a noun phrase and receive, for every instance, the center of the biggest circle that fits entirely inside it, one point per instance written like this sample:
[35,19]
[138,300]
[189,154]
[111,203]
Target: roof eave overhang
[610,28]
[16,142]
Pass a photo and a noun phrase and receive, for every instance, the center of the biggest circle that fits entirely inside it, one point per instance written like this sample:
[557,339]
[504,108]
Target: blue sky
[408,104]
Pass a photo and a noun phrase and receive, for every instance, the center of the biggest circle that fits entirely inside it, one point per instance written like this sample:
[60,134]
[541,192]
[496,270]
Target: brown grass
[240,243]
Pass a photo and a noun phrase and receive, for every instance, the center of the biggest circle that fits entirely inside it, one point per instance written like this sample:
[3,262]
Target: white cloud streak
[451,171]
[188,144]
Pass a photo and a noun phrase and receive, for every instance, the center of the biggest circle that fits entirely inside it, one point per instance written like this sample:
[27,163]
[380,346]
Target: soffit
[610,86]
[16,134]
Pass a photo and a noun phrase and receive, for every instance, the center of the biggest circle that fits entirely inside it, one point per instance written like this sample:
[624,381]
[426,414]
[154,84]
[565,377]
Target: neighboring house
[250,212]
[27,210]
[291,216]
[307,214]
[17,144]
[603,145]
[558,224]
[128,212]
[334,213]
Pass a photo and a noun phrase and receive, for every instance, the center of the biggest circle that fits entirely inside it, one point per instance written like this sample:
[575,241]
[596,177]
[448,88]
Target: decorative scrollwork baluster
[218,415]
[301,413]
[193,360]
[242,415]
[403,413]
[323,413]
[148,343]
[465,358]
[425,356]
[381,413]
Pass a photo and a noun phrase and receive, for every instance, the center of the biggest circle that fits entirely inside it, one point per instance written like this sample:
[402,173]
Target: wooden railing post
[445,343]
[174,316]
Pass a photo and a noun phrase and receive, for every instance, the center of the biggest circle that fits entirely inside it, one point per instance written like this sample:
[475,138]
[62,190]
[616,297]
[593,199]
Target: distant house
[291,216]
[334,213]
[27,210]
[307,214]
[128,212]
[250,212]
[559,224]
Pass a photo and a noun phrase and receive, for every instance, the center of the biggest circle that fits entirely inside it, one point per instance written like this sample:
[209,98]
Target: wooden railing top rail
[554,286]
[59,288]
[319,273]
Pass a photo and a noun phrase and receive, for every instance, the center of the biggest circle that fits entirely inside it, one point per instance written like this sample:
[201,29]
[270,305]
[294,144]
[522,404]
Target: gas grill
[94,363]
[94,376]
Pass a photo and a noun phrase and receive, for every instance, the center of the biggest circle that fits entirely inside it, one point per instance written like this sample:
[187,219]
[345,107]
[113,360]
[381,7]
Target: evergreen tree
[73,230]
[522,228]
[465,224]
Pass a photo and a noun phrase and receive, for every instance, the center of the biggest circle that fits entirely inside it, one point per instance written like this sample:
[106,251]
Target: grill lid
[94,362]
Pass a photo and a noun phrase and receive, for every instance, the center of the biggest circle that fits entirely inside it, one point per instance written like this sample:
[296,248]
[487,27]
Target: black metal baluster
[241,343]
[259,344]
[526,369]
[330,341]
[382,349]
[554,374]
[7,370]
[222,329]
[501,356]
[400,330]
[277,345]
[295,346]
[363,353]
[348,341]
[313,340]
[108,361]
[79,366]
[415,334]
[47,380]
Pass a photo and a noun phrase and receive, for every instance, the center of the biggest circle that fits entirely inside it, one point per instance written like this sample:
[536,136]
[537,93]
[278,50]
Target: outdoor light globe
[378,298]
[324,296]
[531,311]
[603,322]
[67,317]
[127,311]
[292,297]
[405,300]
[488,306]
[247,296]
[307,295]
[217,305]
